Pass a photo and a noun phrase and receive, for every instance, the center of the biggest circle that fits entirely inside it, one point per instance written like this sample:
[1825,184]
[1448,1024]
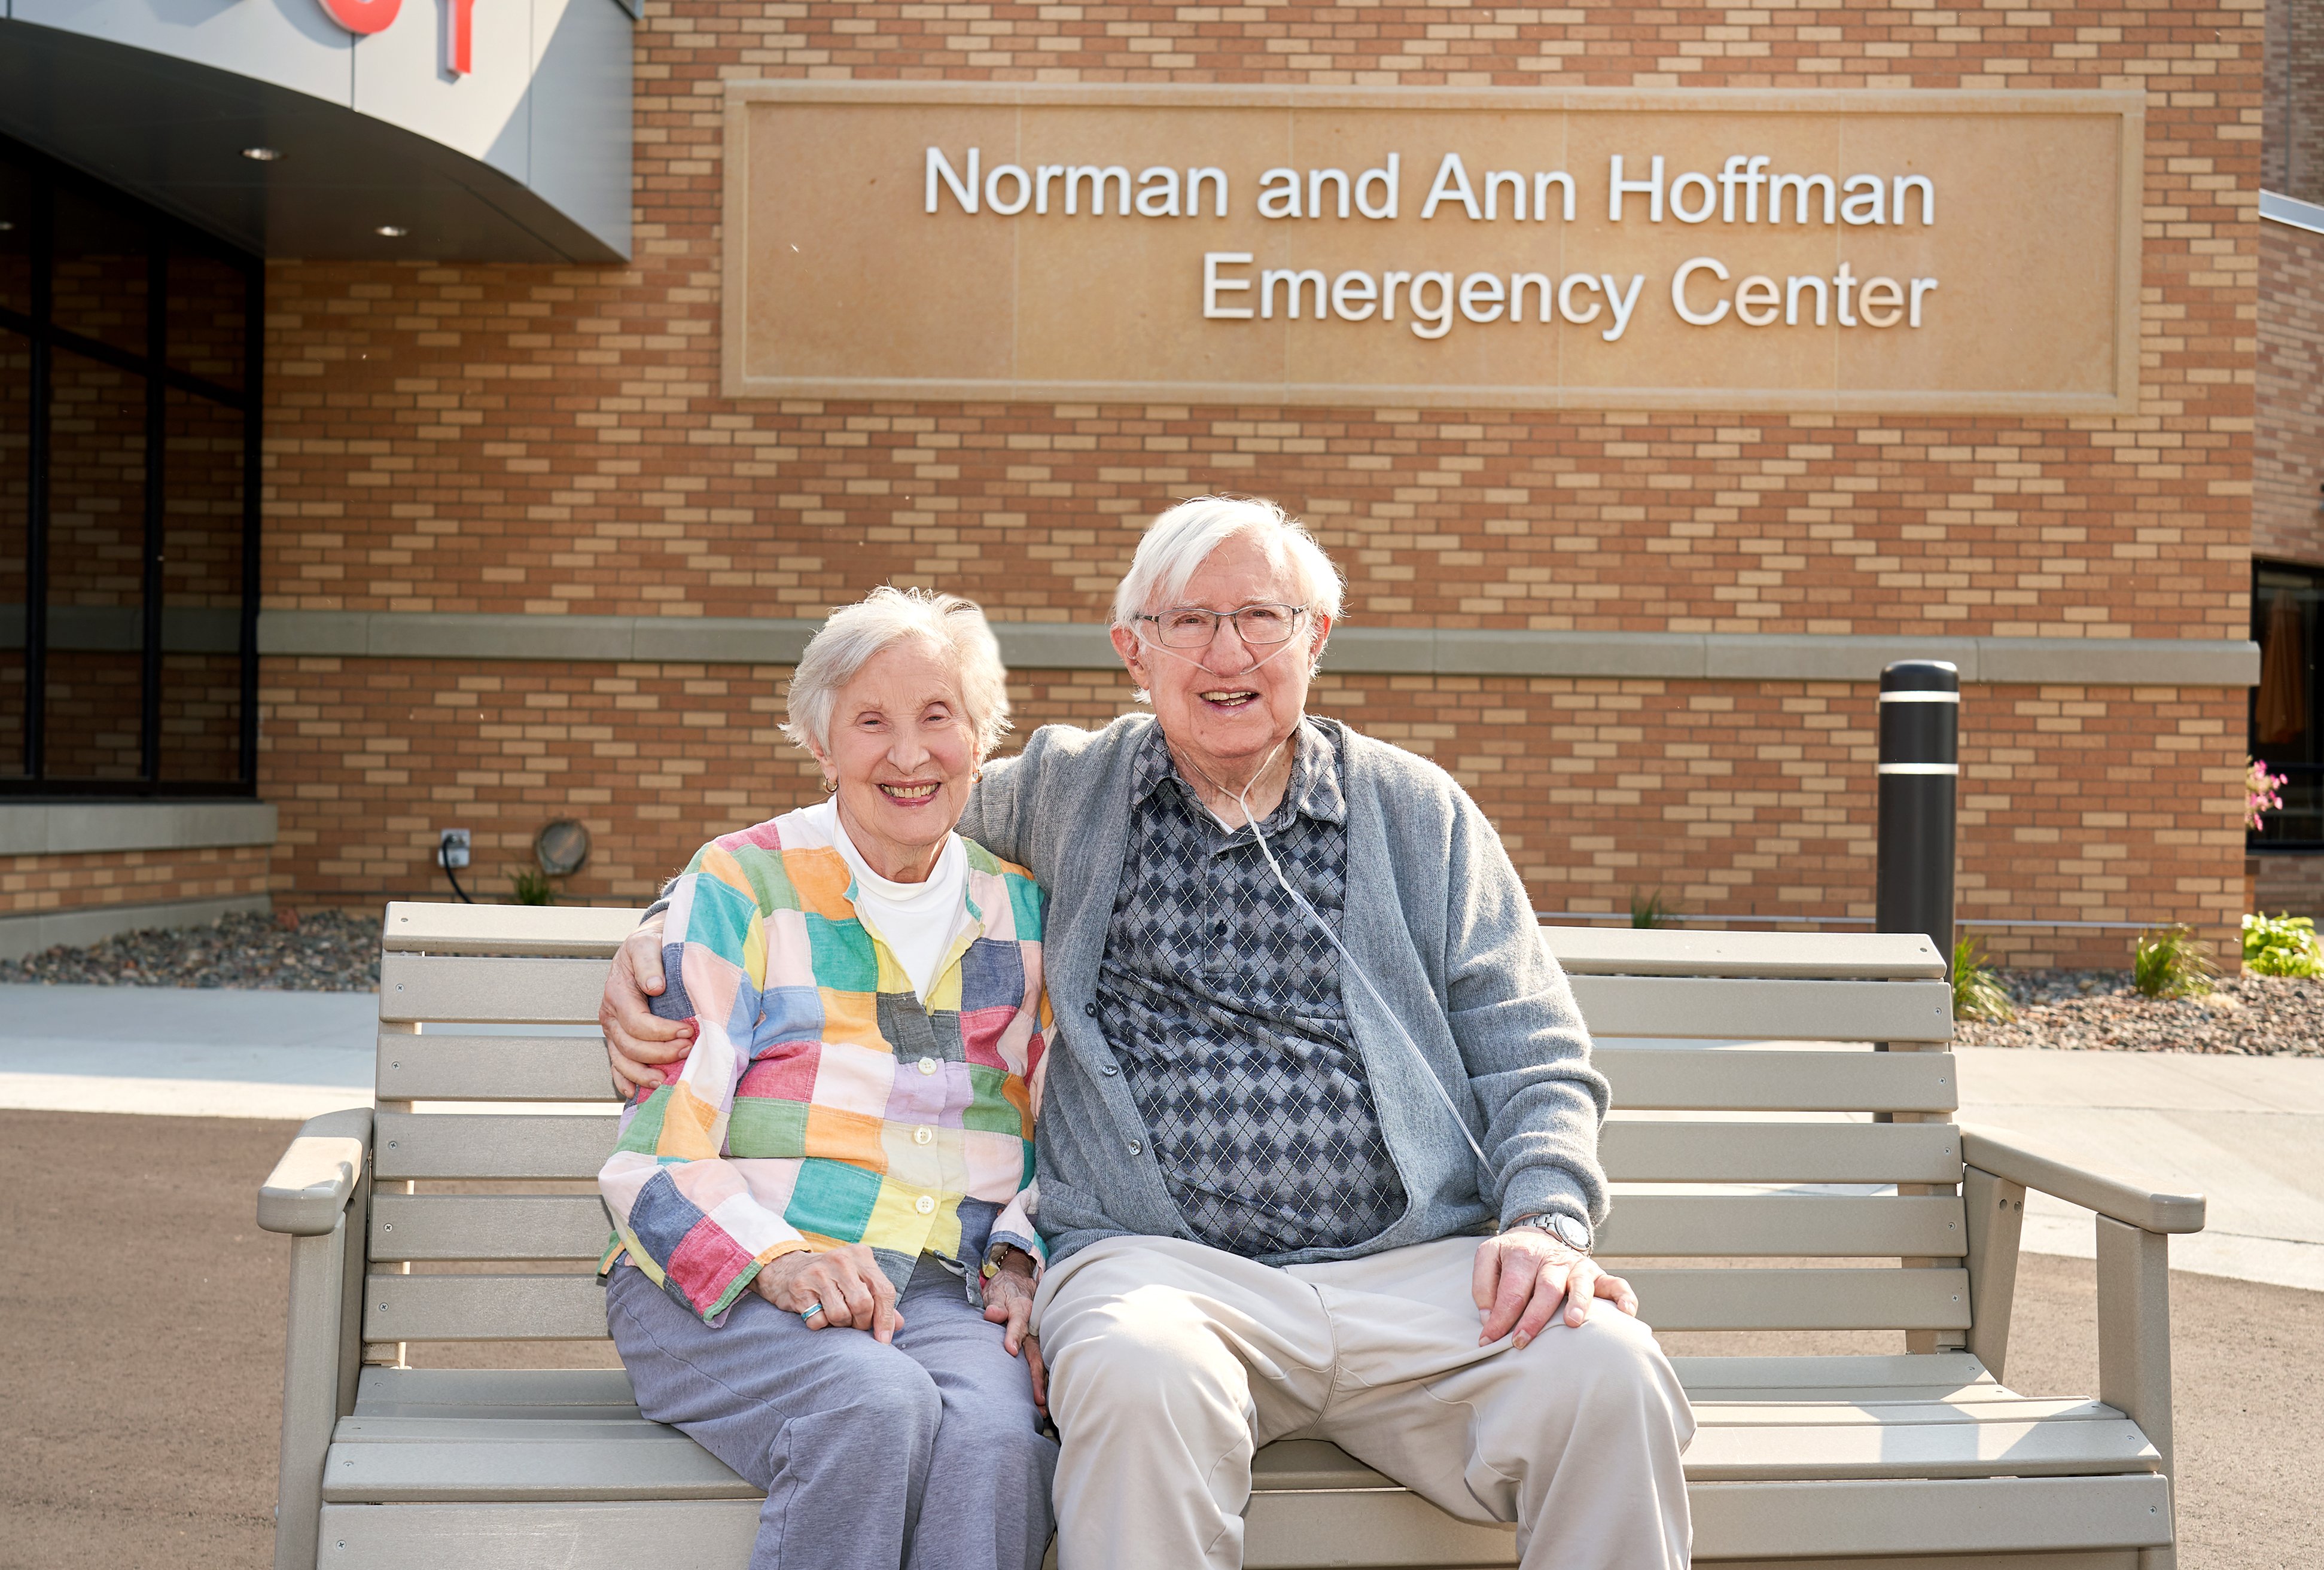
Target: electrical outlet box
[451,848]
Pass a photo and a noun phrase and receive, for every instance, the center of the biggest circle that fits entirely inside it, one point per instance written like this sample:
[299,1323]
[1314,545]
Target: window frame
[45,178]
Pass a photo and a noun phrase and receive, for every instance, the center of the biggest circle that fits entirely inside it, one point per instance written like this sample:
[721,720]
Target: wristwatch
[1568,1229]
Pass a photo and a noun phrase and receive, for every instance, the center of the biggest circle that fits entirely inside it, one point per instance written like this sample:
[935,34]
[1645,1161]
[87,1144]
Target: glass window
[2287,710]
[200,716]
[127,465]
[96,570]
[209,331]
[15,506]
[97,276]
[16,239]
[2292,101]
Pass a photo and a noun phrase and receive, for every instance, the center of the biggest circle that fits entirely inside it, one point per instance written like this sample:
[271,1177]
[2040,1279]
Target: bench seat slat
[1722,1009]
[1684,1079]
[450,1144]
[1773,1522]
[642,1460]
[1670,1151]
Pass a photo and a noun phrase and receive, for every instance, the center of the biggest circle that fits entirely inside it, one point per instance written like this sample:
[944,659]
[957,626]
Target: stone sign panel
[1930,252]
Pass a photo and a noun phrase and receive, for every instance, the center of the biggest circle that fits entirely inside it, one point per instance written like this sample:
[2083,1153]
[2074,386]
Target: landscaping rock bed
[2099,1010]
[318,951]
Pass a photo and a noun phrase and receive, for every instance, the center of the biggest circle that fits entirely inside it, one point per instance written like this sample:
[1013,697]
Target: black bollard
[1920,768]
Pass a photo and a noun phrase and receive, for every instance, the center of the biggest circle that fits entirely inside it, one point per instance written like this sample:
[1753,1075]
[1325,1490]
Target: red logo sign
[364,16]
[369,16]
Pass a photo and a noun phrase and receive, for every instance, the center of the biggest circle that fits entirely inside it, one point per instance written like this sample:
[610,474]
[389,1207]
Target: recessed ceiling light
[261,154]
[392,231]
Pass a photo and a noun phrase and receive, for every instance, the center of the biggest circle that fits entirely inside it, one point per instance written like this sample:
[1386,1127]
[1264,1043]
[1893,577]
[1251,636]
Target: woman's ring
[811,1313]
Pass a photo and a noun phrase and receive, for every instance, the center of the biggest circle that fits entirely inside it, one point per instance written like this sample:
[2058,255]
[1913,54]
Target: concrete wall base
[32,933]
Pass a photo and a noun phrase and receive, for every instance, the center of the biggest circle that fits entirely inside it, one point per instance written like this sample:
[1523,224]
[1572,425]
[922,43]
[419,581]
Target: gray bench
[1815,1185]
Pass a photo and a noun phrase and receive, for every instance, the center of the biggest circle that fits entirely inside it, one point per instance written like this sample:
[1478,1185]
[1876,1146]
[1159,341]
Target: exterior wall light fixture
[261,154]
[392,231]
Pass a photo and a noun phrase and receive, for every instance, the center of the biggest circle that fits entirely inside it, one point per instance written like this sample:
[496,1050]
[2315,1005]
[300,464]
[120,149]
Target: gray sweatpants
[923,1454]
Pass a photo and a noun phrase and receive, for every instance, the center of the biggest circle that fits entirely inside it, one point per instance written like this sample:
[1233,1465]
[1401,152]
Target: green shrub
[1977,992]
[532,886]
[2282,945]
[2170,963]
[1651,910]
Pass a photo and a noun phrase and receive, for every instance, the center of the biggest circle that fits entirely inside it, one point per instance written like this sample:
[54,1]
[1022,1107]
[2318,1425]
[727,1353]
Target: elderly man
[1317,1147]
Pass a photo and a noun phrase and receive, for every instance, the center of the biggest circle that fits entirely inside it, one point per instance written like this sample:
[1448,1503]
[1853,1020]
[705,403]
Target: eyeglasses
[1190,626]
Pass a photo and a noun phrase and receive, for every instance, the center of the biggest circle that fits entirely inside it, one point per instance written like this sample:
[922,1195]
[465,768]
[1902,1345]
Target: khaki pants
[1171,1362]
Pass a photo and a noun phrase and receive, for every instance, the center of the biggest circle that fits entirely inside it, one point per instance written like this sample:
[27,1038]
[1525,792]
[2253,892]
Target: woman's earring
[977,778]
[831,787]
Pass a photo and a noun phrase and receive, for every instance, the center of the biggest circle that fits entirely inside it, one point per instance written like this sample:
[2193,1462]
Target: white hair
[887,615]
[1178,542]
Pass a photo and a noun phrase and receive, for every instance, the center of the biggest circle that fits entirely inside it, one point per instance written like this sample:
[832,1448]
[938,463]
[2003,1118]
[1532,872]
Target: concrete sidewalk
[2247,1132]
[197,1052]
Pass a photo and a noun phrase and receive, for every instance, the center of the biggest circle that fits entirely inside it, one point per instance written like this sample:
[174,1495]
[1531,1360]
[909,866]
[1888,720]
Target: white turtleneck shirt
[917,920]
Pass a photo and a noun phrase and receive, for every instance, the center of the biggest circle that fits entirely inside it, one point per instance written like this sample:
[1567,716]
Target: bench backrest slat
[1758,1080]
[1675,1152]
[447,1144]
[572,932]
[470,1067]
[463,1067]
[427,988]
[1667,952]
[488,1226]
[425,1145]
[1802,1011]
[573,1226]
[572,1307]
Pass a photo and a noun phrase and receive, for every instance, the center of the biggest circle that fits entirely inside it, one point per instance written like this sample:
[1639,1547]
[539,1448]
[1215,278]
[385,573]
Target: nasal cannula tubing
[1251,819]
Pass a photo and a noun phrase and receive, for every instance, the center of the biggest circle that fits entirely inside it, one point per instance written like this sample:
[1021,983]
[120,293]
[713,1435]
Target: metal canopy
[172,133]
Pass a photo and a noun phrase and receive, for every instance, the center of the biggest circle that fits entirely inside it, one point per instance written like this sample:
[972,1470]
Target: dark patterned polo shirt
[1222,1003]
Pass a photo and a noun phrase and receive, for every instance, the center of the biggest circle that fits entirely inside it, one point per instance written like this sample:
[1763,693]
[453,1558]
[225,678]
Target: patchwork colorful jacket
[822,1104]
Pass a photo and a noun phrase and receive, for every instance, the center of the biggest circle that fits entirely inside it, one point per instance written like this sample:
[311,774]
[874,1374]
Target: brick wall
[35,885]
[551,441]
[2086,804]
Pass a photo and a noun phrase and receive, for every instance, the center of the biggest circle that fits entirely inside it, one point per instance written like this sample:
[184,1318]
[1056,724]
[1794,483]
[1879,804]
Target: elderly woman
[823,1212]
[1318,1155]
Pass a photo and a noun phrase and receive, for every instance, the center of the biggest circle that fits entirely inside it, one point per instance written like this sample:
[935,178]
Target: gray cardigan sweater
[1439,920]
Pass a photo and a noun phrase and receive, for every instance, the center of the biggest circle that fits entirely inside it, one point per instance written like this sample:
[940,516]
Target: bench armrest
[309,1187]
[2116,1199]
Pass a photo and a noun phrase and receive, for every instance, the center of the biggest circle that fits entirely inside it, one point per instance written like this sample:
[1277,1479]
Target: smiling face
[1228,705]
[904,752]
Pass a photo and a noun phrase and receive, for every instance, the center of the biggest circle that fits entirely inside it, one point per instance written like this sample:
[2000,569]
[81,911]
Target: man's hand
[637,1039]
[1523,1274]
[1009,1302]
[846,1282]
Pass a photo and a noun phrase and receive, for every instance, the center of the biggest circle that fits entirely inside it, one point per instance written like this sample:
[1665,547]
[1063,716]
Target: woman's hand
[1523,1275]
[638,1039]
[846,1282]
[1009,1302]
